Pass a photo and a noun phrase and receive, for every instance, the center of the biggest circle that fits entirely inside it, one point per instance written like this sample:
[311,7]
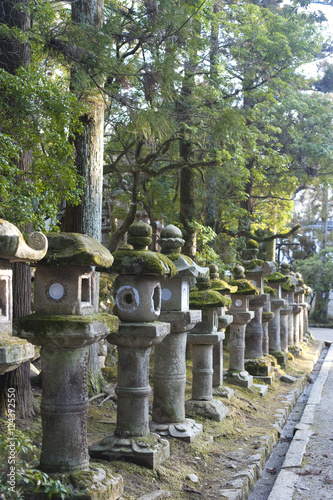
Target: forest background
[192,112]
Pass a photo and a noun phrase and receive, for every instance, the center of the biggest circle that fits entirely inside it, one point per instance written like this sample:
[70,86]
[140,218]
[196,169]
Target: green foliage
[36,115]
[27,477]
[317,271]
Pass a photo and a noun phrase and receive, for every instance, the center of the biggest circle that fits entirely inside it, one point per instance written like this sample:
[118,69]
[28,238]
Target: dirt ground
[206,467]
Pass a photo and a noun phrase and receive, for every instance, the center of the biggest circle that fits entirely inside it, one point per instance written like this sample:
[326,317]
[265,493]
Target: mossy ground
[225,449]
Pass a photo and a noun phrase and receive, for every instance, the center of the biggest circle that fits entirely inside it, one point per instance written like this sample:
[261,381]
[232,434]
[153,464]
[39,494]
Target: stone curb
[286,480]
[245,480]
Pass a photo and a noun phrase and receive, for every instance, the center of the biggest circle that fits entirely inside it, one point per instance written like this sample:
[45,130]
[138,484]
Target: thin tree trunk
[87,216]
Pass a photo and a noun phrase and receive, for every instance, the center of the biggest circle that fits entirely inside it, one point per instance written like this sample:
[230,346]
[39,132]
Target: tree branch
[259,239]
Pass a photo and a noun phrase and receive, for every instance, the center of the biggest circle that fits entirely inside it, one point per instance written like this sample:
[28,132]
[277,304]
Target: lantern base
[150,450]
[239,378]
[213,409]
[188,430]
[223,391]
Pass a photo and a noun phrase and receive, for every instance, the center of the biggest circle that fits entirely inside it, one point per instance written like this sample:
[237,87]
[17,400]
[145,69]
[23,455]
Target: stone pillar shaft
[170,379]
[253,336]
[285,313]
[202,385]
[274,325]
[237,347]
[64,409]
[133,391]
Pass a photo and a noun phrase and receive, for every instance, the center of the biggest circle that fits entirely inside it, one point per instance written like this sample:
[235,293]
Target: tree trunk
[187,177]
[14,54]
[87,216]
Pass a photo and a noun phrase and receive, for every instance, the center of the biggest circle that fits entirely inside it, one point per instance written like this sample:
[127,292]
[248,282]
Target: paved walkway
[307,471]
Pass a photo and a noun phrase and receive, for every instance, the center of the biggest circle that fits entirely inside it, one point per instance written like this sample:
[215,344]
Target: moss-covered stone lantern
[224,320]
[138,305]
[168,416]
[255,270]
[241,317]
[288,292]
[201,339]
[13,248]
[278,342]
[299,295]
[64,325]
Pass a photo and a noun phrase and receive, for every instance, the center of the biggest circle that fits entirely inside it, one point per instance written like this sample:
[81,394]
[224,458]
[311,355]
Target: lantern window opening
[86,290]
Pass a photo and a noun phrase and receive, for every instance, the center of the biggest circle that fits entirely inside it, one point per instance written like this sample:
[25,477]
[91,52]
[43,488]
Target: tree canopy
[220,79]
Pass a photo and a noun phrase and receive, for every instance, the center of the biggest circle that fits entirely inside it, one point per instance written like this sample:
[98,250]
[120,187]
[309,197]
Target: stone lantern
[241,317]
[278,339]
[255,270]
[168,417]
[224,320]
[13,248]
[64,325]
[138,305]
[289,290]
[300,292]
[201,339]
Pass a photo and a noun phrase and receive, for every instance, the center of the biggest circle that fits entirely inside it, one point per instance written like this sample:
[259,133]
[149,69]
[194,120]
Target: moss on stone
[270,290]
[43,322]
[222,286]
[288,287]
[258,367]
[244,287]
[143,262]
[252,244]
[175,256]
[207,298]
[277,277]
[75,249]
[252,264]
[267,315]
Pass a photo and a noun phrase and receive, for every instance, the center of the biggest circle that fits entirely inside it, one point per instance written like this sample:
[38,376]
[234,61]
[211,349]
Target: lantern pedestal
[131,438]
[170,379]
[202,402]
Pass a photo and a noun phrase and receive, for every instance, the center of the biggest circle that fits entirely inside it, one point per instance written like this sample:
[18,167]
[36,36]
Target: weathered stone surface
[65,331]
[288,378]
[65,290]
[156,495]
[149,450]
[13,352]
[13,247]
[213,410]
[187,430]
[75,249]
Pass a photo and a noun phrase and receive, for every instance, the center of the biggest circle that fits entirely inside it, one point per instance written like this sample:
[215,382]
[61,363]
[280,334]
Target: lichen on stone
[75,249]
[252,264]
[267,315]
[252,244]
[222,286]
[207,298]
[143,262]
[277,277]
[288,287]
[270,290]
[244,287]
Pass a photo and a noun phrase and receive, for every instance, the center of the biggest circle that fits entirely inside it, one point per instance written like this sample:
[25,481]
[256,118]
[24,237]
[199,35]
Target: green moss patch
[75,249]
[270,290]
[141,262]
[244,287]
[209,298]
[222,286]
[252,264]
[288,287]
[277,277]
